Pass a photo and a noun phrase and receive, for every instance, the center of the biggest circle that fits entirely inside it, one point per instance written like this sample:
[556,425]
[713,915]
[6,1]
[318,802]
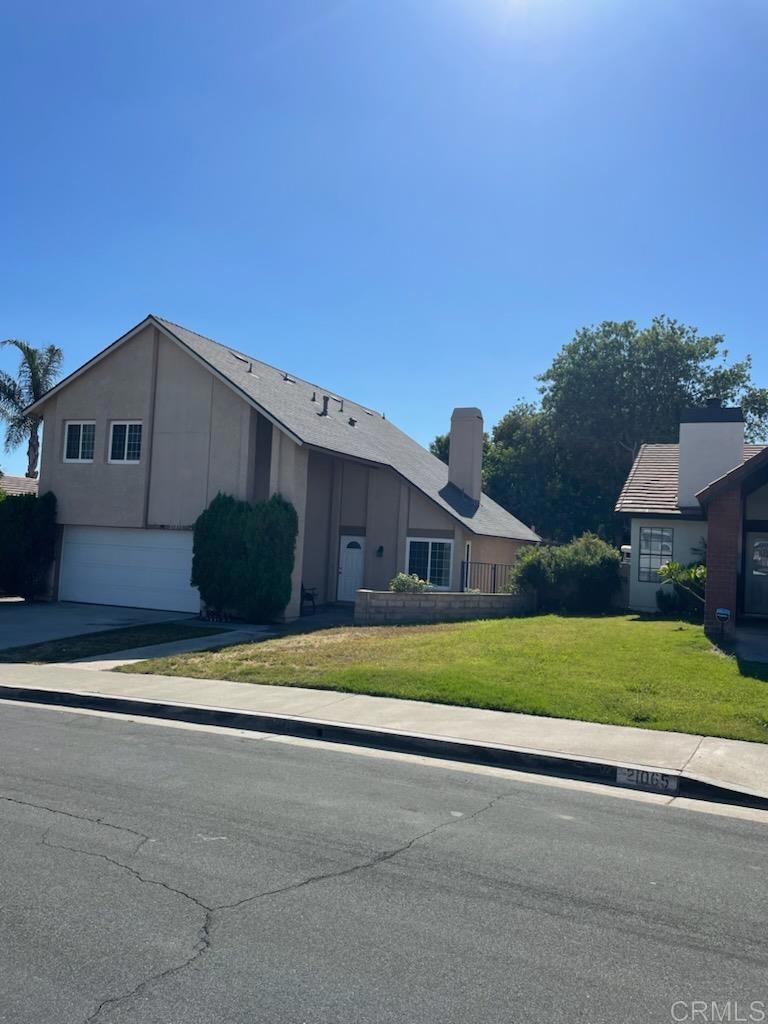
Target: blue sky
[415,202]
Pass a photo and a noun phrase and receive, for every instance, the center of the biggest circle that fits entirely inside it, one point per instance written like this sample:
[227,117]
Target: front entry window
[431,560]
[760,558]
[655,551]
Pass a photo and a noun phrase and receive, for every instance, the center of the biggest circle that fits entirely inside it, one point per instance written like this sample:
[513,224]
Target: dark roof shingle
[651,487]
[288,400]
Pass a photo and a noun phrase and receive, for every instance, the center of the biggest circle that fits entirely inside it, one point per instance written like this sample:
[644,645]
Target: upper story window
[431,560]
[79,436]
[655,551]
[125,442]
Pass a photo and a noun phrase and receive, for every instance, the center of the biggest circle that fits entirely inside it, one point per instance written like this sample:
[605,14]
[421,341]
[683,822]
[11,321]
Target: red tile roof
[18,485]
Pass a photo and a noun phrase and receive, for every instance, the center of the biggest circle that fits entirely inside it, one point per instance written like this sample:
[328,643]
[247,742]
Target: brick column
[724,514]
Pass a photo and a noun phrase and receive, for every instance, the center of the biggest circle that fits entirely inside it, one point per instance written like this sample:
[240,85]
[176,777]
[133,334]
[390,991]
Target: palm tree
[38,371]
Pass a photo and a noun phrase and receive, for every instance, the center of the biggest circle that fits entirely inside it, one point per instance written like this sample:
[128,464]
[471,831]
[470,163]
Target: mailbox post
[723,615]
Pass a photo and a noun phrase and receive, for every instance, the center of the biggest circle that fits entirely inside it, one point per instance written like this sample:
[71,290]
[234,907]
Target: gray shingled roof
[17,485]
[288,400]
[651,487]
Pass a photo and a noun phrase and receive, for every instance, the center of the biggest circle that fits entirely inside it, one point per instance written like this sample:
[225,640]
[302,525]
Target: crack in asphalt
[44,841]
[205,937]
[78,817]
[204,934]
[203,945]
[379,858]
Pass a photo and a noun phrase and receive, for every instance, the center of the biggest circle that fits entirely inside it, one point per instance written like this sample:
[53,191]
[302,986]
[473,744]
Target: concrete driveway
[22,623]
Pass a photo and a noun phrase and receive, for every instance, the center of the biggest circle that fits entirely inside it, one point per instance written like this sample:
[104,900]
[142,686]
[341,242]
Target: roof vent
[325,406]
[314,397]
[287,377]
[243,359]
[352,421]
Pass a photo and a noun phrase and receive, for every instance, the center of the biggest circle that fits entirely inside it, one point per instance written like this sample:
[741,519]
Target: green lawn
[108,641]
[624,670]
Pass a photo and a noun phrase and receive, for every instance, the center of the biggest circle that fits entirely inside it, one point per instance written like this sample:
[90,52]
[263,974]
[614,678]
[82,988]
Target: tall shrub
[218,545]
[581,576]
[243,556]
[27,543]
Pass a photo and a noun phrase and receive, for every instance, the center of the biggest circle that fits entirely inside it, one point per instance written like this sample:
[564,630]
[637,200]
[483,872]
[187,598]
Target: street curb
[538,762]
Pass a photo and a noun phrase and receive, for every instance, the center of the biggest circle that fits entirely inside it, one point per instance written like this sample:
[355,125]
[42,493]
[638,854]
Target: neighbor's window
[431,561]
[760,558]
[125,442]
[78,441]
[655,551]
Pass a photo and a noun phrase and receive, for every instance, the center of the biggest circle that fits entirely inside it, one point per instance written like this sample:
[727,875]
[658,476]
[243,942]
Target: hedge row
[27,542]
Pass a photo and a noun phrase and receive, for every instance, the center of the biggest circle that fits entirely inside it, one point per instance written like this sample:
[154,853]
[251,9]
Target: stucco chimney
[711,444]
[465,460]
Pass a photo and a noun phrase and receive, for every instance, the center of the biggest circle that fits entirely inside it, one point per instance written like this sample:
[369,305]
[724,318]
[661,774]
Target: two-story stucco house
[138,441]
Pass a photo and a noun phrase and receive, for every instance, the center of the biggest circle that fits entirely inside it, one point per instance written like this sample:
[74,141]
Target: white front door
[351,559]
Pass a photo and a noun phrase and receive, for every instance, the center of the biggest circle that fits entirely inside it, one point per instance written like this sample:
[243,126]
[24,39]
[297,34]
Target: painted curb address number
[656,782]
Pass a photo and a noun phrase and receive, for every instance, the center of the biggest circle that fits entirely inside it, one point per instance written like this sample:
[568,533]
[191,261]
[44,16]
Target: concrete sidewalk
[560,746]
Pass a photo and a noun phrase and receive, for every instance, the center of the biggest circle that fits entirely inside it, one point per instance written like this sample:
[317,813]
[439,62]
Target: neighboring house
[708,491]
[17,485]
[138,441]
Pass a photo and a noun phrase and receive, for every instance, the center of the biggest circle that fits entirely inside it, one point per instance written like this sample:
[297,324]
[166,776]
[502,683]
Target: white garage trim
[132,568]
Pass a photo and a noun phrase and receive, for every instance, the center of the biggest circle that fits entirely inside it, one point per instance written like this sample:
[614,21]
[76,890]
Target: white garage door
[134,568]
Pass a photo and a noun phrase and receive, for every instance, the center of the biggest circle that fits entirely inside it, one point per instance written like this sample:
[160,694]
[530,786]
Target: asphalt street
[158,875]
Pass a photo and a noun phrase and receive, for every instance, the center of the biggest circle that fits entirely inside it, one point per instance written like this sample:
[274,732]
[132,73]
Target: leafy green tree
[526,472]
[560,465]
[441,447]
[38,372]
[523,471]
[616,385]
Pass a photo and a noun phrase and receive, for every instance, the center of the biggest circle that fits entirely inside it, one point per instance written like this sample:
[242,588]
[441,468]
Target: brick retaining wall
[385,608]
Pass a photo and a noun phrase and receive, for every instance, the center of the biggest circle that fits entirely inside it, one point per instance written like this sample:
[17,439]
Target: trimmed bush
[27,543]
[581,576]
[405,584]
[243,556]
